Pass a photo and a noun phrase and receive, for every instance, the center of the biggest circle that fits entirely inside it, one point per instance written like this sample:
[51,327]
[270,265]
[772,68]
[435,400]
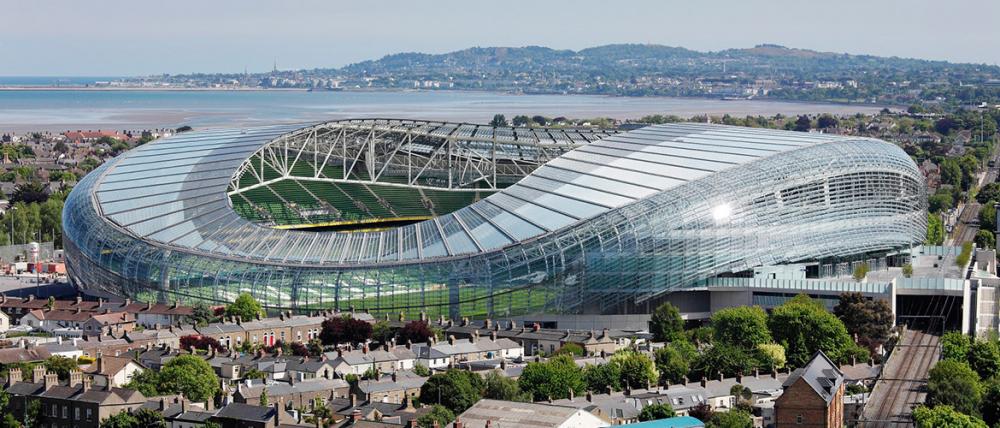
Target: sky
[129,37]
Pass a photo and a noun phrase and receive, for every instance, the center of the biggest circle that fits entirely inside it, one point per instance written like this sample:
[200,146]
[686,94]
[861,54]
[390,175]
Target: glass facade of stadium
[599,226]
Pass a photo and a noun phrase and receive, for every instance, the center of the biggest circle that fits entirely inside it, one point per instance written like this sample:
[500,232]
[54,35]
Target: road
[901,387]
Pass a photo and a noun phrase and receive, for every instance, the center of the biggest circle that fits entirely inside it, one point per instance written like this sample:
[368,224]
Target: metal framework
[431,155]
[593,227]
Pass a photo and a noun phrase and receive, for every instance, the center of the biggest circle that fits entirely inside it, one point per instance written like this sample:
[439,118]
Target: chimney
[364,349]
[86,383]
[75,377]
[14,376]
[100,364]
[51,379]
[412,423]
[474,337]
[356,416]
[571,395]
[465,321]
[739,377]
[38,374]
[721,378]
[458,423]
[277,414]
[149,306]
[451,339]
[493,336]
[774,372]
[590,397]
[756,373]
[704,381]
[487,323]
[209,404]
[409,343]
[354,400]
[536,327]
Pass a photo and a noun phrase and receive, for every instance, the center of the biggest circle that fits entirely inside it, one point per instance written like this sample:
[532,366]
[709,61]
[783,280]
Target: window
[65,413]
[88,414]
[798,419]
[76,413]
[55,410]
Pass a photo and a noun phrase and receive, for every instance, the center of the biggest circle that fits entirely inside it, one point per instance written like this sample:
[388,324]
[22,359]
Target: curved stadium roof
[174,192]
[546,219]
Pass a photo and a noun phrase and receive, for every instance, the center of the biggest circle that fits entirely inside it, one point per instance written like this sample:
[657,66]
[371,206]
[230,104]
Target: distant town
[761,72]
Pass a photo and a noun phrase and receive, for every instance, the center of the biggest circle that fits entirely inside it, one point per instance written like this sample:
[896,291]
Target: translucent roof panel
[173,191]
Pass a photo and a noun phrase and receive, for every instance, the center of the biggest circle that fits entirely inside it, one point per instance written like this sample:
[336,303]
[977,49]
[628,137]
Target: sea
[38,104]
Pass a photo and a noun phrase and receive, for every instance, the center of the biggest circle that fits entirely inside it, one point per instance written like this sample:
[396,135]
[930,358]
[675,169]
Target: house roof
[17,355]
[509,413]
[821,374]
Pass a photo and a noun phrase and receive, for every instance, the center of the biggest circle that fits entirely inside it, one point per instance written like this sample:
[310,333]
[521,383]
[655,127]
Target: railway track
[901,387]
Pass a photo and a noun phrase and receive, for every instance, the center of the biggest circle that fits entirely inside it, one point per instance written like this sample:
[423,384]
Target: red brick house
[813,396]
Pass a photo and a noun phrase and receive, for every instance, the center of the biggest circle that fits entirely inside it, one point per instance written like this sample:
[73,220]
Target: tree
[826,121]
[674,361]
[571,349]
[344,329]
[731,419]
[907,270]
[184,128]
[191,376]
[938,202]
[60,365]
[653,412]
[203,343]
[147,382]
[935,230]
[60,147]
[666,323]
[984,358]
[553,378]
[985,239]
[601,377]
[455,389]
[727,359]
[870,320]
[636,369]
[771,355]
[955,346]
[742,326]
[803,327]
[498,120]
[201,314]
[383,332]
[802,124]
[497,386]
[987,193]
[955,384]
[32,191]
[264,401]
[860,271]
[148,418]
[990,408]
[944,416]
[520,120]
[421,370]
[702,411]
[245,307]
[988,215]
[121,419]
[439,414]
[416,331]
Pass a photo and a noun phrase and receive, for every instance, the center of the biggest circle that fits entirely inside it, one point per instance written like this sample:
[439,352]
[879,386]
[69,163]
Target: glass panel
[458,240]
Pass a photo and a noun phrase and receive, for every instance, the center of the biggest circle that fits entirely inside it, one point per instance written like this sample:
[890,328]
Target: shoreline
[49,88]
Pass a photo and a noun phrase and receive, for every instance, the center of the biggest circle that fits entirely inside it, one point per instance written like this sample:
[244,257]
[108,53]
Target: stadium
[471,220]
